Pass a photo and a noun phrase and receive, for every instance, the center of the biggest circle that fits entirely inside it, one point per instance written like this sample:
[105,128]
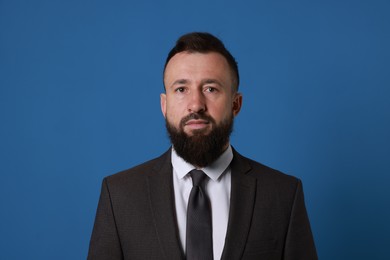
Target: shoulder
[272,185]
[138,172]
[263,173]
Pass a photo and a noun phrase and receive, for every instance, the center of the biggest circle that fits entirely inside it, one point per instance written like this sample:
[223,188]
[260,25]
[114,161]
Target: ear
[163,104]
[237,103]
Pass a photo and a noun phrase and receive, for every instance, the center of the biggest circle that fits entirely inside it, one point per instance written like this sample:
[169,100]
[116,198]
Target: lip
[197,123]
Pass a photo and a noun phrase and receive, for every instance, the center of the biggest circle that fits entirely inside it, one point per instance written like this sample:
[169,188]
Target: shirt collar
[213,171]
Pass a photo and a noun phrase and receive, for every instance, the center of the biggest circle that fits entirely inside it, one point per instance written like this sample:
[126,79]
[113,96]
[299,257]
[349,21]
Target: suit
[136,218]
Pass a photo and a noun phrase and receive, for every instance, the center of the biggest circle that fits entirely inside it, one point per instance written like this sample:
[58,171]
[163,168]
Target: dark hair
[204,43]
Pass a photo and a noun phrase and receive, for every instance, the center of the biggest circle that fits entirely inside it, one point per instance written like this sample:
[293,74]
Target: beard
[201,148]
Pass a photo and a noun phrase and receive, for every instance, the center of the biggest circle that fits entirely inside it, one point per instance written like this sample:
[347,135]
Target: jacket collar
[242,201]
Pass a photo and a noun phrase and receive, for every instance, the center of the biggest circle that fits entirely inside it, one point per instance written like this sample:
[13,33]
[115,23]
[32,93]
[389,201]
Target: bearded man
[201,199]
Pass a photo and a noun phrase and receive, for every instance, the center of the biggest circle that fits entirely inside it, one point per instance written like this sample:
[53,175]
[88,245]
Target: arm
[105,243]
[299,243]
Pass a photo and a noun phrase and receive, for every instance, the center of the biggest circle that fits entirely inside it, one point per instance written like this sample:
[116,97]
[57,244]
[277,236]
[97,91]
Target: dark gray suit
[136,217]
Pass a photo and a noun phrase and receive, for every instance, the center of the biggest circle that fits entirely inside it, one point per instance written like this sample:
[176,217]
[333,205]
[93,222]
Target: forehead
[197,66]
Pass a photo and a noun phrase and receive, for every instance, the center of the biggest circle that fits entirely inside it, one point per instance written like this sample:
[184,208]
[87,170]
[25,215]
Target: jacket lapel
[242,199]
[160,188]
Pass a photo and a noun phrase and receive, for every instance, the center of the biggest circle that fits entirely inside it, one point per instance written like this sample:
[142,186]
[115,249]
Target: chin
[198,132]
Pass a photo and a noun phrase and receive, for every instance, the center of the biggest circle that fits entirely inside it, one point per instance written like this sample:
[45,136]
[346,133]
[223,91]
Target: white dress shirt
[217,189]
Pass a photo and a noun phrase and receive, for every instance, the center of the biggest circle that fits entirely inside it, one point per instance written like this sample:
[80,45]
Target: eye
[180,89]
[211,89]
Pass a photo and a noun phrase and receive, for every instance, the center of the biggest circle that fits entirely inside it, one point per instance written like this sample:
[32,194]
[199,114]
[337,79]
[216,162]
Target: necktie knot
[198,177]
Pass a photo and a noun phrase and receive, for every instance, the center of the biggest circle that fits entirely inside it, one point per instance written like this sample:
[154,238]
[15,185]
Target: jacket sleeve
[105,243]
[299,244]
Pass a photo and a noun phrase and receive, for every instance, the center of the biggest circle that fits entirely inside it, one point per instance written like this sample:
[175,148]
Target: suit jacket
[136,217]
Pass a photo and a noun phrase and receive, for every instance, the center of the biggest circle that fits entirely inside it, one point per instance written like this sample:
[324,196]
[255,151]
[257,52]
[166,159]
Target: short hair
[204,43]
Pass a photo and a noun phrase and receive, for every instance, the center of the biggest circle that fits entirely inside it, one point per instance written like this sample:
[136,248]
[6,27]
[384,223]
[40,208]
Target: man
[201,199]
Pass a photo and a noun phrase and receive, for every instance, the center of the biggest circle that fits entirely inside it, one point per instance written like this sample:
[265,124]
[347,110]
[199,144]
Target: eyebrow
[180,82]
[211,81]
[203,82]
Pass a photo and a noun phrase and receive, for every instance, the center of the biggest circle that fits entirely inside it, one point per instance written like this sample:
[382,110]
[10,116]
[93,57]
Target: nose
[197,102]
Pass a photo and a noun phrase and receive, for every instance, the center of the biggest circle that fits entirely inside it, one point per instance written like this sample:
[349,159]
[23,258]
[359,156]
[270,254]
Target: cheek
[221,111]
[173,114]
[176,107]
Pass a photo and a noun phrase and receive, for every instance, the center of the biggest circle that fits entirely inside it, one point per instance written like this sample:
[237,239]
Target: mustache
[196,116]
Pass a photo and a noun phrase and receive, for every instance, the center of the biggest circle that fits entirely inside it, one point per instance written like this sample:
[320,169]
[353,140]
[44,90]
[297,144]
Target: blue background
[79,100]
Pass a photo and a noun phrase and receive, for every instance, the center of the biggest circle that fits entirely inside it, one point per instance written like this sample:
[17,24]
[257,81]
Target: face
[199,93]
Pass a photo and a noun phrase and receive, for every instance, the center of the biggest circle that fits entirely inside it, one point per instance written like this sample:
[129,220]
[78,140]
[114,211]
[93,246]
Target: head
[198,42]
[201,97]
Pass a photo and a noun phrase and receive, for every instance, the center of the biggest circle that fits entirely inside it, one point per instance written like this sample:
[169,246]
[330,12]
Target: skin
[199,83]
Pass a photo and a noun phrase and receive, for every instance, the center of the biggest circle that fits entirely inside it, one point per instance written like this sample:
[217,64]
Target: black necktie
[199,241]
